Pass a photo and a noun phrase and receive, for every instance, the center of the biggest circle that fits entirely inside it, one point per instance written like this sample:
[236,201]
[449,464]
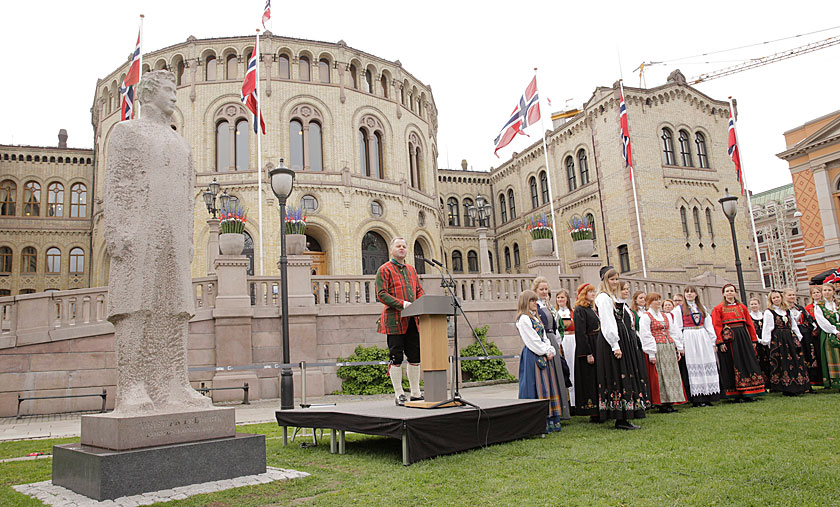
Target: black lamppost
[282,178]
[729,203]
[480,215]
[210,198]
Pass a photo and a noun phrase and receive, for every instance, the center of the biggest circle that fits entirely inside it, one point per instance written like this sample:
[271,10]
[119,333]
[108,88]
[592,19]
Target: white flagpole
[259,150]
[749,201]
[548,178]
[633,184]
[136,106]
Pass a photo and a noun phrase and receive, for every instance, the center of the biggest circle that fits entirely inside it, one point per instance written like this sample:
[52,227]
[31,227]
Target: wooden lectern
[434,346]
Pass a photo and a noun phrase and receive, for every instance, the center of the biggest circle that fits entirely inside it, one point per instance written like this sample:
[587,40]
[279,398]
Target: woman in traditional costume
[637,307]
[563,315]
[788,374]
[554,333]
[662,344]
[622,391]
[810,337]
[828,318]
[694,325]
[537,376]
[587,328]
[762,351]
[740,375]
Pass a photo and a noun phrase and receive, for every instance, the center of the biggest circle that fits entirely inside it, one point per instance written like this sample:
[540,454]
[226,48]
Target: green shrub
[489,369]
[371,379]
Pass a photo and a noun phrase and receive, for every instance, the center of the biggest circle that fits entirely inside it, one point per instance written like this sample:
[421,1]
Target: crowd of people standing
[612,356]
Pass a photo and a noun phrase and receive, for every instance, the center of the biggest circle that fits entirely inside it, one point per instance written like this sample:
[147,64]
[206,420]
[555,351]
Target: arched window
[53,260]
[364,152]
[490,257]
[684,220]
[29,260]
[316,149]
[472,261]
[502,207]
[468,221]
[222,146]
[668,146]
[454,212]
[5,259]
[241,145]
[55,200]
[31,199]
[324,70]
[303,68]
[384,82]
[283,62]
[372,147]
[709,226]
[696,213]
[507,259]
[511,204]
[544,186]
[296,145]
[700,141]
[8,194]
[457,262]
[376,155]
[402,94]
[354,77]
[570,173]
[78,200]
[414,161]
[77,261]
[231,63]
[179,72]
[584,167]
[623,258]
[210,68]
[685,149]
[368,81]
[419,255]
[535,196]
[516,255]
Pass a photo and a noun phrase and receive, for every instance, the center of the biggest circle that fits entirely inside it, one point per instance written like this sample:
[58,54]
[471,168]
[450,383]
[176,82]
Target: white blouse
[606,314]
[645,334]
[536,344]
[756,315]
[824,324]
[708,326]
[770,325]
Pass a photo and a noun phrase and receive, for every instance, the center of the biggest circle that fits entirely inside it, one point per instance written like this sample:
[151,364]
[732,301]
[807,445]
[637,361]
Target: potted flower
[582,233]
[295,231]
[542,235]
[231,228]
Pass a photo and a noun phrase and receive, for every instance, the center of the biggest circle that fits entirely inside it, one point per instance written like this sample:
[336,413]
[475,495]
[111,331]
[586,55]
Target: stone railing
[710,292]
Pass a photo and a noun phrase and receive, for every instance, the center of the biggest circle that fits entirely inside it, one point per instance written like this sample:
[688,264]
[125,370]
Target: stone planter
[542,247]
[295,244]
[583,248]
[231,243]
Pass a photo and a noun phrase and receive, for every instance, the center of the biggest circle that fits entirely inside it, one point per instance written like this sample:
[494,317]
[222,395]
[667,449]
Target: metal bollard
[245,401]
[104,394]
[303,403]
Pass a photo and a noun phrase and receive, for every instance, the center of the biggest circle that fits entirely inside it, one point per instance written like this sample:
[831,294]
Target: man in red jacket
[397,286]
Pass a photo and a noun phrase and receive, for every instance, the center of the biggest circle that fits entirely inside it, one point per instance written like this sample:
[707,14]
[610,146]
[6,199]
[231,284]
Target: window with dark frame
[668,146]
[623,258]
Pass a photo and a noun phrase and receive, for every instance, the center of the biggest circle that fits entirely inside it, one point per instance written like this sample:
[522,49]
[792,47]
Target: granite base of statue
[162,433]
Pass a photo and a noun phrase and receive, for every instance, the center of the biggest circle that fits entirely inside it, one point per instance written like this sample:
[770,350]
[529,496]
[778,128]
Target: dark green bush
[489,369]
[371,379]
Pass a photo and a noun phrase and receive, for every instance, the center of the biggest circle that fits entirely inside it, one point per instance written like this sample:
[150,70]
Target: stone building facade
[44,218]
[682,167]
[813,155]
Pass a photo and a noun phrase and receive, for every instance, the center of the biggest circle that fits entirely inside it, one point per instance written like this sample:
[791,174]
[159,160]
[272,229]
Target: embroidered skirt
[811,354]
[830,362]
[622,387]
[762,353]
[788,373]
[540,383]
[740,374]
[701,365]
[665,381]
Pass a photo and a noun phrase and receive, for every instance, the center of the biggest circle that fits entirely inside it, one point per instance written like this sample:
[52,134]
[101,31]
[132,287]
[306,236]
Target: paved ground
[69,425]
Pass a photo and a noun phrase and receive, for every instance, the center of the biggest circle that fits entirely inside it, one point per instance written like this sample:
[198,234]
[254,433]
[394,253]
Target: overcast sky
[477,56]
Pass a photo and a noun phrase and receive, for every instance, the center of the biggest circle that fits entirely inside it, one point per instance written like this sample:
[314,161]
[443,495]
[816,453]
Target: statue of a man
[148,212]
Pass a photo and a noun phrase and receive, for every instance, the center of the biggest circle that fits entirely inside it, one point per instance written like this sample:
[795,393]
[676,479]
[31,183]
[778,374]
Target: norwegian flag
[250,95]
[266,12]
[733,150]
[524,115]
[625,134]
[127,86]
[833,277]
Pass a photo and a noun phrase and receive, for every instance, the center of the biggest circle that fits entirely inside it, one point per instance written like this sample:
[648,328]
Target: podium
[434,346]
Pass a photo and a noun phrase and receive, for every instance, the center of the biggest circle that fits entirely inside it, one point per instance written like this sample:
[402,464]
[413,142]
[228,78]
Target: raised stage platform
[425,433]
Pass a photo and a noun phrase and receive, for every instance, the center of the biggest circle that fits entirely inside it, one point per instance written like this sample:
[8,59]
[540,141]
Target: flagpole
[548,178]
[635,197]
[749,201]
[259,150]
[139,71]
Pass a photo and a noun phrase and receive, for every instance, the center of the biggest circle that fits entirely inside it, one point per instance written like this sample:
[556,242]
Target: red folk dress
[740,373]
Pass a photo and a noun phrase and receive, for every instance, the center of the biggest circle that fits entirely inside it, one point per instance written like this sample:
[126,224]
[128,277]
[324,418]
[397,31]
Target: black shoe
[672,410]
[695,404]
[400,400]
[626,425]
[418,398]
[595,419]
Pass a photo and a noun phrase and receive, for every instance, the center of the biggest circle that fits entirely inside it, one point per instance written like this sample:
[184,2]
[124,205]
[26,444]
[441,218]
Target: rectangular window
[623,258]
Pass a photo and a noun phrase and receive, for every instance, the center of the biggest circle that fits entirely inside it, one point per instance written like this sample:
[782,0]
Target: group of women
[608,355]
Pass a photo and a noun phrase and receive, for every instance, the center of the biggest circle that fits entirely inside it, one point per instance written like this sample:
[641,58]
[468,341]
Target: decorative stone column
[483,251]
[587,270]
[212,245]
[549,267]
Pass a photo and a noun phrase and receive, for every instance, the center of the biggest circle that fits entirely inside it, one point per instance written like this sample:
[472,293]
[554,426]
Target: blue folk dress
[537,374]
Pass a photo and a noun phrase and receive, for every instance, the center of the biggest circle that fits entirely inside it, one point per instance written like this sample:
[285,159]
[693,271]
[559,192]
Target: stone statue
[148,212]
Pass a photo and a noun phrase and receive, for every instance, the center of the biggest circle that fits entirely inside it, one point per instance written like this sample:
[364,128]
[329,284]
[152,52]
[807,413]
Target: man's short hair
[151,82]
[394,241]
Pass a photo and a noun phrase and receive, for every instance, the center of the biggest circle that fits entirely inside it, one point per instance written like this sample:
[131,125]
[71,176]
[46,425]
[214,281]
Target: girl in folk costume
[555,336]
[806,324]
[693,323]
[762,351]
[633,325]
[587,328]
[537,376]
[563,314]
[622,391]
[811,339]
[787,371]
[740,374]
[828,318]
[668,306]
[662,344]
[637,307]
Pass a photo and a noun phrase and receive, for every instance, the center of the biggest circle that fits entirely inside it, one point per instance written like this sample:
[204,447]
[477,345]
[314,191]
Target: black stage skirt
[788,373]
[740,373]
[622,389]
[762,353]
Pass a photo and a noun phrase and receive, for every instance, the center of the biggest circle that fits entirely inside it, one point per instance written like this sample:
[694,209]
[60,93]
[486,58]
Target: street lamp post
[282,178]
[213,222]
[729,203]
[480,214]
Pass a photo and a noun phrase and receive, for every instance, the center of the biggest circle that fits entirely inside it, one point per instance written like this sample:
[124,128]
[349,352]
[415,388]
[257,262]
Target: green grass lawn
[776,451]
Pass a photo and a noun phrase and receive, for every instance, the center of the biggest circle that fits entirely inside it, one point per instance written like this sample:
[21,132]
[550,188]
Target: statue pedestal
[549,267]
[587,269]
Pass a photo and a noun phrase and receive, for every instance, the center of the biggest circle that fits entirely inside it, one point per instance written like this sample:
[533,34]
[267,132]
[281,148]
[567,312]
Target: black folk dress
[587,328]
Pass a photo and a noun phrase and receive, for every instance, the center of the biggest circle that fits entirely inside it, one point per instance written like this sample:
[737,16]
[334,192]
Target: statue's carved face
[164,97]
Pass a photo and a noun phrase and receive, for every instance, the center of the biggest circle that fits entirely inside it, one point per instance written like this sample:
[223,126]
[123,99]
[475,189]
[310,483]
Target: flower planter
[583,248]
[231,243]
[542,247]
[295,244]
